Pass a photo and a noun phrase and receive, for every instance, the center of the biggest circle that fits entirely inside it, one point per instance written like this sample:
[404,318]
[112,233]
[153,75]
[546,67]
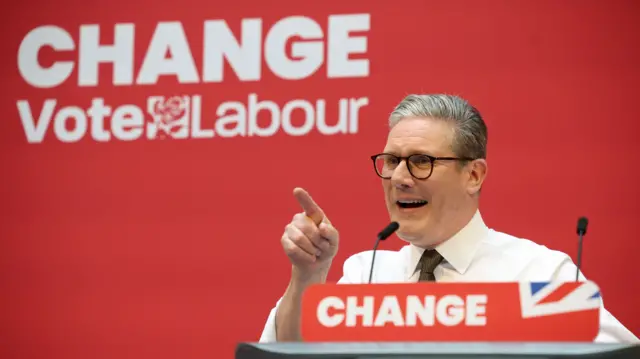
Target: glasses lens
[420,166]
[385,165]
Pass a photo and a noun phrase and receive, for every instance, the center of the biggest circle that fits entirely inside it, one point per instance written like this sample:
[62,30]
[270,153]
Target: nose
[401,178]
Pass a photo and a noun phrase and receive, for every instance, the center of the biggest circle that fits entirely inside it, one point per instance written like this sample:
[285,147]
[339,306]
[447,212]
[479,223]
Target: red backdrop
[170,248]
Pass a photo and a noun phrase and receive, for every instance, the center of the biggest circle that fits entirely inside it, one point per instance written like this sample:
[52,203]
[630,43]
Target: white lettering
[354,311]
[389,312]
[34,131]
[127,122]
[70,124]
[219,43]
[309,120]
[343,119]
[476,310]
[254,108]
[308,55]
[181,117]
[98,112]
[233,120]
[322,311]
[196,125]
[92,54]
[450,310]
[354,107]
[425,310]
[169,37]
[238,117]
[29,66]
[70,115]
[341,46]
[293,49]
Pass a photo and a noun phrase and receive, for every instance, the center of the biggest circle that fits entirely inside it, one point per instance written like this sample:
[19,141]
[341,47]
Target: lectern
[448,321]
[398,350]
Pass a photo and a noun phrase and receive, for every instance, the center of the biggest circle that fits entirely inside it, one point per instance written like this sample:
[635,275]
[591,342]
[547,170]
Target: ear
[477,172]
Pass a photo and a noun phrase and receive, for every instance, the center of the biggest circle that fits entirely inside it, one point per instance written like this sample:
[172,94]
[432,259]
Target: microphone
[581,230]
[384,234]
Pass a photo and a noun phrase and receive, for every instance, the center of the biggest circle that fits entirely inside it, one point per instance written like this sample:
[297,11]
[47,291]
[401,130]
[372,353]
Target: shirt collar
[458,250]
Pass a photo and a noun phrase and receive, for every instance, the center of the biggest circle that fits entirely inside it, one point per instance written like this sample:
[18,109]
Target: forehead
[421,134]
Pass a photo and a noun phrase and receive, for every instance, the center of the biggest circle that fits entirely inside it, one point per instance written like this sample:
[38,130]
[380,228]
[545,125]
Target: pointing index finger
[310,207]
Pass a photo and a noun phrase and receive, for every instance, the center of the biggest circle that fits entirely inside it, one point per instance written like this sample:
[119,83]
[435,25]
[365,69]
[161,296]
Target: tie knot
[428,263]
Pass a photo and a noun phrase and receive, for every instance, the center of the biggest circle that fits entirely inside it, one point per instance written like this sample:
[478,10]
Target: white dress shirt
[475,254]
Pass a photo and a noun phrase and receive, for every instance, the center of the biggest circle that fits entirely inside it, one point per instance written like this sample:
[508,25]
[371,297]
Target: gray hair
[470,131]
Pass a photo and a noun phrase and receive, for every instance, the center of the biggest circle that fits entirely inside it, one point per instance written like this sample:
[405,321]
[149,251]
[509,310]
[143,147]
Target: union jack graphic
[542,299]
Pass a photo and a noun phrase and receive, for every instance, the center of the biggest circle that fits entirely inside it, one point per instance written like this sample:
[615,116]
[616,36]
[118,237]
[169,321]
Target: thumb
[311,209]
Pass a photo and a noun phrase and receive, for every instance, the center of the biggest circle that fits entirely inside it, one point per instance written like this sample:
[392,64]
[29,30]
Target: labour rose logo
[170,116]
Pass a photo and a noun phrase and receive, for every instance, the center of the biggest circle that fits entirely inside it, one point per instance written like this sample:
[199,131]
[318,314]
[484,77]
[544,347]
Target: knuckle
[324,245]
[287,229]
[299,254]
[316,237]
[297,238]
[329,232]
[286,243]
[299,258]
[304,227]
[291,249]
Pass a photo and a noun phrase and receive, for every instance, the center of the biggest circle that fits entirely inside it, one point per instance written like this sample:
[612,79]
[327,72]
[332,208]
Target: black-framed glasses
[420,166]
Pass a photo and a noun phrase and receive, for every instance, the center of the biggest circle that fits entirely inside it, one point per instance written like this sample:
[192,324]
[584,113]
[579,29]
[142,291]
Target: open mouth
[414,203]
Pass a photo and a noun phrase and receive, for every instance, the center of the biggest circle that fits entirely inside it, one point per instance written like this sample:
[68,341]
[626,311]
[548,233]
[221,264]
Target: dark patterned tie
[428,263]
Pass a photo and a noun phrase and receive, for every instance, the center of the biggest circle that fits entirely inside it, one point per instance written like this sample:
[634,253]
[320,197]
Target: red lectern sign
[451,312]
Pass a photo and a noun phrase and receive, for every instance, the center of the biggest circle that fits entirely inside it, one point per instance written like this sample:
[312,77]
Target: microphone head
[582,225]
[388,230]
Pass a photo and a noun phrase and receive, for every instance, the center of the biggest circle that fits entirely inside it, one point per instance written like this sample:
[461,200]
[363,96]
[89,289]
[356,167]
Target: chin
[412,225]
[408,236]
[412,232]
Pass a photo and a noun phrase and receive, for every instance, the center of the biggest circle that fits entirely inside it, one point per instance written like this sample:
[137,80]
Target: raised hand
[310,240]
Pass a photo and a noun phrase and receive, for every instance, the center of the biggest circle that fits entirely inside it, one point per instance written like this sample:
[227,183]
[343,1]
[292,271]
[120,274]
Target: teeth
[412,201]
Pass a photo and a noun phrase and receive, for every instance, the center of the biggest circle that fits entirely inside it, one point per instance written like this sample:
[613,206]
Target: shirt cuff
[269,334]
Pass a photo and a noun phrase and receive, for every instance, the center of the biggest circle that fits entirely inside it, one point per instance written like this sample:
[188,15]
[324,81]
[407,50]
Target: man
[432,169]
